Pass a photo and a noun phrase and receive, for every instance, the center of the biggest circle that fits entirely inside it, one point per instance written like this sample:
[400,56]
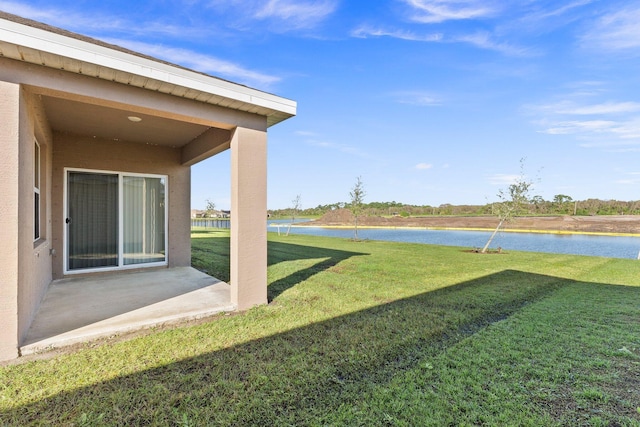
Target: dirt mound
[626,224]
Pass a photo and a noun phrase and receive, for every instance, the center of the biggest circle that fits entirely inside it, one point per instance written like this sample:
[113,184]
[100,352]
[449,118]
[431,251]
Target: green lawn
[368,333]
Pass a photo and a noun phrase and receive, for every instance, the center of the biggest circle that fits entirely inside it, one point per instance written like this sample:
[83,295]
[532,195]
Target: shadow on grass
[281,252]
[301,376]
[212,256]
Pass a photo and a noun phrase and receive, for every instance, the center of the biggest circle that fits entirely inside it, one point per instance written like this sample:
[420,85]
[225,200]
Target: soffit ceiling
[113,124]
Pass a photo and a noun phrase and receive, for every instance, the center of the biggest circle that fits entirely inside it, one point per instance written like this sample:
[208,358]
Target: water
[576,244]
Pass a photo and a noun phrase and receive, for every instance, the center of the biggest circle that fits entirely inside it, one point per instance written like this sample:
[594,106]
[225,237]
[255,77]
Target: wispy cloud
[600,109]
[634,179]
[482,40]
[365,31]
[573,108]
[347,149]
[59,17]
[419,98]
[278,15]
[100,24]
[563,9]
[615,31]
[436,11]
[585,126]
[297,14]
[424,166]
[502,179]
[305,133]
[604,124]
[541,17]
[203,63]
[485,40]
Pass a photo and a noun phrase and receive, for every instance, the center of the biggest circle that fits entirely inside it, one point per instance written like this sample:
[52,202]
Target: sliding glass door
[92,220]
[114,220]
[143,222]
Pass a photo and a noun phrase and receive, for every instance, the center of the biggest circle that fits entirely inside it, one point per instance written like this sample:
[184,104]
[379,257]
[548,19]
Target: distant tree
[538,204]
[294,211]
[512,201]
[211,207]
[357,194]
[561,203]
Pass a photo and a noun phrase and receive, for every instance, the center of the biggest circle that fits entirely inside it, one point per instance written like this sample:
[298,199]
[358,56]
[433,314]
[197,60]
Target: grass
[368,333]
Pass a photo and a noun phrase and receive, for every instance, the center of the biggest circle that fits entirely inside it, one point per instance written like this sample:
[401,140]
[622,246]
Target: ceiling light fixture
[135,119]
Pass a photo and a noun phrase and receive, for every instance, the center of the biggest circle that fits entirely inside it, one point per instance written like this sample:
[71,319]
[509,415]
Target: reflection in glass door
[92,220]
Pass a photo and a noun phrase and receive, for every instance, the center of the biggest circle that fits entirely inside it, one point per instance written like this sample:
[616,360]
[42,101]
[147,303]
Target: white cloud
[347,149]
[424,166]
[201,62]
[563,9]
[503,179]
[633,180]
[603,125]
[419,98]
[436,11]
[484,40]
[97,24]
[573,108]
[296,14]
[59,17]
[604,108]
[577,126]
[366,31]
[615,31]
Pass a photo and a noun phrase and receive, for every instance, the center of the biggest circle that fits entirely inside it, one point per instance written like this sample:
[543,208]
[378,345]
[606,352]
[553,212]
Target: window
[36,191]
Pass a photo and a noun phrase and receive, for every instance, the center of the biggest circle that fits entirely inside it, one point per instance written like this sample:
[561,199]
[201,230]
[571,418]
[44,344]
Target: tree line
[561,204]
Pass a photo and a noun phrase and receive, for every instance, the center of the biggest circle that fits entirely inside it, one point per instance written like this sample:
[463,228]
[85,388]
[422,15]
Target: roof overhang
[77,54]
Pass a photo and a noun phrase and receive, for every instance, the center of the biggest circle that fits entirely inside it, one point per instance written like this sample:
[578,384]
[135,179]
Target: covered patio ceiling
[104,122]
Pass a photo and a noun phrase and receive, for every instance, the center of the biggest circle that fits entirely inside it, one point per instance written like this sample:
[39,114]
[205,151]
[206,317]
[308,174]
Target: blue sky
[429,101]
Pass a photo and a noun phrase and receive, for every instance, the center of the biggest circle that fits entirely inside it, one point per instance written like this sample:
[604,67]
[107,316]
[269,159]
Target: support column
[9,197]
[248,218]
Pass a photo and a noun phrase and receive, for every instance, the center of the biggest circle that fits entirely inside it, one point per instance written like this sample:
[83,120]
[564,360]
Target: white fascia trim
[57,44]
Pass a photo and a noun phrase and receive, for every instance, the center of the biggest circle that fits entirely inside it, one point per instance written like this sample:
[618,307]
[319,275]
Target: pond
[576,244]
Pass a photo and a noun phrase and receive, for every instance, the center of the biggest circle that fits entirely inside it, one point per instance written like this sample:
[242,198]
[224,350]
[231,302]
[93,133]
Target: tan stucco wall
[9,160]
[34,257]
[248,218]
[25,265]
[84,152]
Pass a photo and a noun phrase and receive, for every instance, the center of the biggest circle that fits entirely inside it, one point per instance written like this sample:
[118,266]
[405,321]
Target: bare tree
[211,207]
[357,194]
[512,201]
[294,211]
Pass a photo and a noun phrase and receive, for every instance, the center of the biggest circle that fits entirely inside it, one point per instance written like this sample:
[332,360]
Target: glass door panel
[143,219]
[92,220]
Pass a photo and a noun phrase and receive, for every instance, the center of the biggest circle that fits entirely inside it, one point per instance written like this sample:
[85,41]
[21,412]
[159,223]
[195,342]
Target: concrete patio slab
[81,309]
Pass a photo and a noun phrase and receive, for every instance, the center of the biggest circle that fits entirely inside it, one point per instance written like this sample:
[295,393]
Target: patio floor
[81,309]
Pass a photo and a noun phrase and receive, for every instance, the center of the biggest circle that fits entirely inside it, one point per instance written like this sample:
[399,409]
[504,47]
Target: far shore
[610,225]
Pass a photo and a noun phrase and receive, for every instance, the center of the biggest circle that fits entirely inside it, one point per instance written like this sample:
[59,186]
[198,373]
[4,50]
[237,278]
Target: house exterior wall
[25,265]
[85,152]
[9,161]
[34,257]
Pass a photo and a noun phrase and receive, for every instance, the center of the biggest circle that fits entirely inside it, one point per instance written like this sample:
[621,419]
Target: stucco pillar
[248,218]
[9,185]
